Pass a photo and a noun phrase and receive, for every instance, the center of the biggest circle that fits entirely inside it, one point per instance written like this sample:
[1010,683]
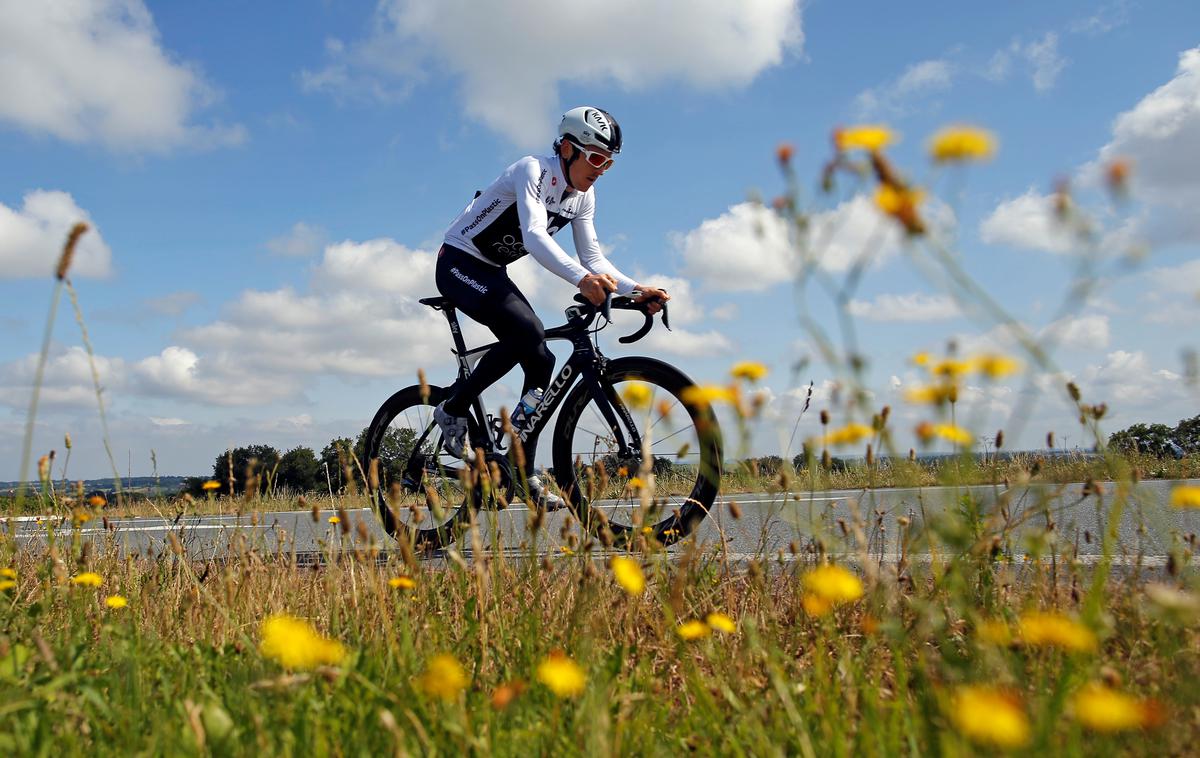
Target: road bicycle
[618,420]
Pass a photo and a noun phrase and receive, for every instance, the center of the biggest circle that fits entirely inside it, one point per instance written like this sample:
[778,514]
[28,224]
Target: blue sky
[267,183]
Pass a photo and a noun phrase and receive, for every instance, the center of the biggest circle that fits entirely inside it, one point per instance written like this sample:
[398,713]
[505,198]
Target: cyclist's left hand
[654,295]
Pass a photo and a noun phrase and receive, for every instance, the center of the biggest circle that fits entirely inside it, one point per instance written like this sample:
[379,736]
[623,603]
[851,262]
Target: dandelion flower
[956,434]
[921,359]
[636,483]
[562,675]
[7,584]
[869,137]
[628,574]
[950,368]
[87,579]
[990,716]
[815,605]
[962,143]
[1103,709]
[995,366]
[749,370]
[210,485]
[402,582]
[115,601]
[1186,496]
[334,520]
[833,585]
[637,394]
[901,204]
[692,630]
[1056,630]
[701,396]
[848,434]
[994,632]
[294,644]
[97,501]
[8,573]
[721,622]
[932,394]
[443,677]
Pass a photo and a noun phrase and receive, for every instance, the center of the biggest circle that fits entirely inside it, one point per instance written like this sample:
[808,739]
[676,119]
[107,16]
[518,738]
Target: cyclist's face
[582,173]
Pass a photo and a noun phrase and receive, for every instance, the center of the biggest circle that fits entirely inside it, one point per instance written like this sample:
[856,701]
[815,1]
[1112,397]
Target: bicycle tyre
[425,461]
[661,377]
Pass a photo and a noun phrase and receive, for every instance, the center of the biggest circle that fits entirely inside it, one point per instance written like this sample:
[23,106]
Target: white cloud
[1103,20]
[31,238]
[1183,279]
[1159,136]
[1126,380]
[634,44]
[914,306]
[895,97]
[1085,332]
[161,421]
[751,248]
[96,72]
[746,248]
[301,241]
[725,311]
[378,265]
[1028,222]
[66,380]
[1040,59]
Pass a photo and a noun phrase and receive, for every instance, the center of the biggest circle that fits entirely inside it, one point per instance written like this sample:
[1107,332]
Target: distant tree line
[1159,439]
[340,466]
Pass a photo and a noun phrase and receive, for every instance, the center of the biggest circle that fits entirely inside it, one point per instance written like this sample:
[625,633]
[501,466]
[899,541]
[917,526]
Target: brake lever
[606,309]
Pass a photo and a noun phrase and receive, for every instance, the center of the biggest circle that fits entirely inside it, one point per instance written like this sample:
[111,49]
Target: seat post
[455,331]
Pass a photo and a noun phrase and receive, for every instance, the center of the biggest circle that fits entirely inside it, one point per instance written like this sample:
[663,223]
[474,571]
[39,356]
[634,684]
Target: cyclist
[519,213]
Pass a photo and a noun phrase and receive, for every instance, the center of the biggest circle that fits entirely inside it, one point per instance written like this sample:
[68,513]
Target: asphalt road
[770,524]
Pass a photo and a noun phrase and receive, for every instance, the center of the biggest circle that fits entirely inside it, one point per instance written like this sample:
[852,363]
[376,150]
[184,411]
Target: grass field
[590,654]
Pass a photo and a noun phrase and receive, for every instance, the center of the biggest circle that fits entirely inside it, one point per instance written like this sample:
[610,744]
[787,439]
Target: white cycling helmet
[591,127]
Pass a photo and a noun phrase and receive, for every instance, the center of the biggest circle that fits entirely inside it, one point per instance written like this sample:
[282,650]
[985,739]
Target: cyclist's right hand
[595,286]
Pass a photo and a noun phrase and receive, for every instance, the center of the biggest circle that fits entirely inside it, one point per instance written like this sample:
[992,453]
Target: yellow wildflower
[962,143]
[87,579]
[1056,630]
[701,396]
[692,630]
[922,358]
[628,574]
[721,622]
[995,366]
[830,585]
[869,137]
[210,485]
[97,501]
[6,585]
[443,677]
[115,601]
[637,394]
[848,434]
[748,370]
[562,675]
[334,520]
[956,434]
[1186,496]
[951,369]
[990,716]
[8,573]
[932,394]
[402,582]
[995,632]
[636,483]
[294,644]
[1103,709]
[815,605]
[901,204]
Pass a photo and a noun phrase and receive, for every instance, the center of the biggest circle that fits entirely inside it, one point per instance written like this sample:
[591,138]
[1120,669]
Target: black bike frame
[586,364]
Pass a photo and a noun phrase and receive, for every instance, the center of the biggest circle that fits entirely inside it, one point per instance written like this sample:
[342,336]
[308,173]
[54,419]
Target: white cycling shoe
[539,493]
[454,432]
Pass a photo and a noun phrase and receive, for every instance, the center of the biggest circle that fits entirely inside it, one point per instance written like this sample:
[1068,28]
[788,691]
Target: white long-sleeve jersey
[522,210]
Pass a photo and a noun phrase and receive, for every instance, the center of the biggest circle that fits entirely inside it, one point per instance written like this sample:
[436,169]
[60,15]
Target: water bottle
[525,407]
